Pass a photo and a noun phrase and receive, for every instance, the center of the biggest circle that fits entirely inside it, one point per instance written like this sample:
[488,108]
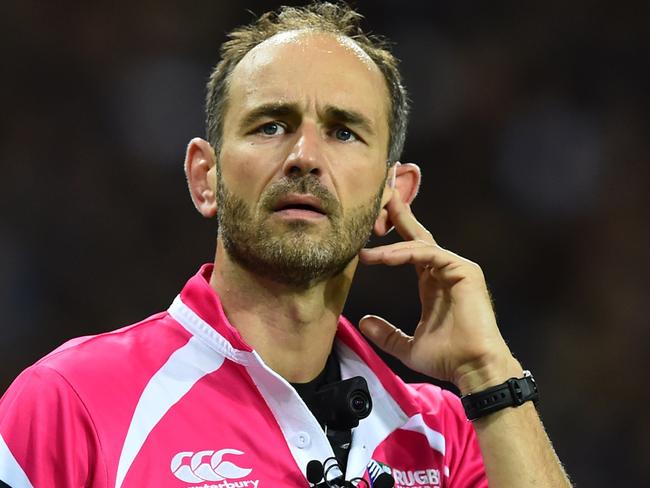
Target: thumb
[386,336]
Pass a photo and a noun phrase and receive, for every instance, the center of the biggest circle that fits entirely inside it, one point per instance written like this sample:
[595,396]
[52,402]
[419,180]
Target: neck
[291,328]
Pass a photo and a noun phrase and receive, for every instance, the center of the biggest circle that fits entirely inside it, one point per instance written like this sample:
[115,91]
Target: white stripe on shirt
[10,471]
[184,368]
[435,438]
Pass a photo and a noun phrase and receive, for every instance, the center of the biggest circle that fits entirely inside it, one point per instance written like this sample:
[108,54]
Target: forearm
[516,450]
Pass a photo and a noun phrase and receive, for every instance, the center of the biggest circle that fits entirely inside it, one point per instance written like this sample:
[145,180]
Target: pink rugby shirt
[179,400]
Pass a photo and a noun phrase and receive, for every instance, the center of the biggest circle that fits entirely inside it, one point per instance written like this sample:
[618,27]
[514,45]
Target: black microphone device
[342,404]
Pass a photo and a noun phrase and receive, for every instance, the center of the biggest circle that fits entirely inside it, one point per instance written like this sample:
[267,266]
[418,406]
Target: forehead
[306,40]
[310,67]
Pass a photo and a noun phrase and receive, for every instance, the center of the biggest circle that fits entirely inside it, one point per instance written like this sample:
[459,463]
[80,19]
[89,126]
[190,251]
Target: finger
[405,222]
[441,264]
[373,252]
[386,336]
[418,253]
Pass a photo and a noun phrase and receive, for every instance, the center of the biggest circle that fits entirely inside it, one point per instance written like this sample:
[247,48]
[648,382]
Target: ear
[200,170]
[406,179]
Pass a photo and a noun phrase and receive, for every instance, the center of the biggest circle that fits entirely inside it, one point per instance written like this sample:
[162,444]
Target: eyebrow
[332,114]
[270,110]
[349,117]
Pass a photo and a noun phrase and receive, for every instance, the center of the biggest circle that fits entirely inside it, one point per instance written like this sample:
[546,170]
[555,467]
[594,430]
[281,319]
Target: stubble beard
[293,254]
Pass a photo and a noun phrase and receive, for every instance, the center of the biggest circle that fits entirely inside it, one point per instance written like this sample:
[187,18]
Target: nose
[306,156]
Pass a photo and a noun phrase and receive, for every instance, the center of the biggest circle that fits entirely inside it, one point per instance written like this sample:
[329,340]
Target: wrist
[512,393]
[474,378]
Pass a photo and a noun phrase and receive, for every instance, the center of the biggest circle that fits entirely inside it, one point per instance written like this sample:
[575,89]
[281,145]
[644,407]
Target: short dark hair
[337,19]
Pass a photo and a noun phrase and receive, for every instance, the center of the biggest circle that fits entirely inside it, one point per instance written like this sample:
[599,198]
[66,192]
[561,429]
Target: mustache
[308,184]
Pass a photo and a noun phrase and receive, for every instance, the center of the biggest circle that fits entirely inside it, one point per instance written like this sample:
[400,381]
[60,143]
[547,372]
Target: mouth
[299,206]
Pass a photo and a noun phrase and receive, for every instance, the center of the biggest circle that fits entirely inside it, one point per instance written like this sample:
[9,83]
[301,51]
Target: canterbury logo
[206,466]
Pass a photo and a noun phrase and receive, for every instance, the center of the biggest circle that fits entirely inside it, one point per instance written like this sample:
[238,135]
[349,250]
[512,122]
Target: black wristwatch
[512,393]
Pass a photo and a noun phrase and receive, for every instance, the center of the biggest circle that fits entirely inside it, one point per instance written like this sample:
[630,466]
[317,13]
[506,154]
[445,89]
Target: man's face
[302,166]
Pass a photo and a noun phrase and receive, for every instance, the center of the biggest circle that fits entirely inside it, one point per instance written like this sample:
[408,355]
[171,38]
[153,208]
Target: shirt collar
[202,300]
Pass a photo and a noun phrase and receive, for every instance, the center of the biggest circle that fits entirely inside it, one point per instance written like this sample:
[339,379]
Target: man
[306,121]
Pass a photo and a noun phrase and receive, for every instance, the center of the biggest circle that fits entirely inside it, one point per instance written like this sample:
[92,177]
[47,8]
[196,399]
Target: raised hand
[457,338]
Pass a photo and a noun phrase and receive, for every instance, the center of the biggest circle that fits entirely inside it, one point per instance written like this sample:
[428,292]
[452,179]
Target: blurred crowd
[530,122]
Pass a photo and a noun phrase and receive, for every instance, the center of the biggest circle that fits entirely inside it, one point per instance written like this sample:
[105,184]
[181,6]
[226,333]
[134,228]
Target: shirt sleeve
[464,458]
[47,437]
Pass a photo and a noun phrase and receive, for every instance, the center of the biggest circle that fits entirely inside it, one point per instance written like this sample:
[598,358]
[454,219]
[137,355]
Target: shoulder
[42,418]
[117,349]
[85,373]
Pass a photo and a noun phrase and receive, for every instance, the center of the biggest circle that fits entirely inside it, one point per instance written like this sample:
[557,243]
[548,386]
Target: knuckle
[392,339]
[476,271]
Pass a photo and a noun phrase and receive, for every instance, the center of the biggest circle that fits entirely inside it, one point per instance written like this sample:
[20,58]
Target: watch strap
[512,393]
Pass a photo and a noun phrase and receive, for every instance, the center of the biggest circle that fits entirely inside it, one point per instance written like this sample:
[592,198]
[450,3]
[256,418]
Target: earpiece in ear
[391,183]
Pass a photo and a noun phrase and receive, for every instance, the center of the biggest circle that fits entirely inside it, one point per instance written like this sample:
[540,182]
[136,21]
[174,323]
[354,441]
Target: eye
[272,129]
[344,134]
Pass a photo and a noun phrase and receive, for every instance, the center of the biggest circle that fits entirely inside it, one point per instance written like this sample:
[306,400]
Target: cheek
[358,187]
[246,169]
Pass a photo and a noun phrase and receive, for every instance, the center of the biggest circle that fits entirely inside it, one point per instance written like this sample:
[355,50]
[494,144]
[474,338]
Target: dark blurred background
[530,121]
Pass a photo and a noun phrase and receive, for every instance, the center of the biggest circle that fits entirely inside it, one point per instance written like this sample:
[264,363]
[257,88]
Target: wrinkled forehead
[306,64]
